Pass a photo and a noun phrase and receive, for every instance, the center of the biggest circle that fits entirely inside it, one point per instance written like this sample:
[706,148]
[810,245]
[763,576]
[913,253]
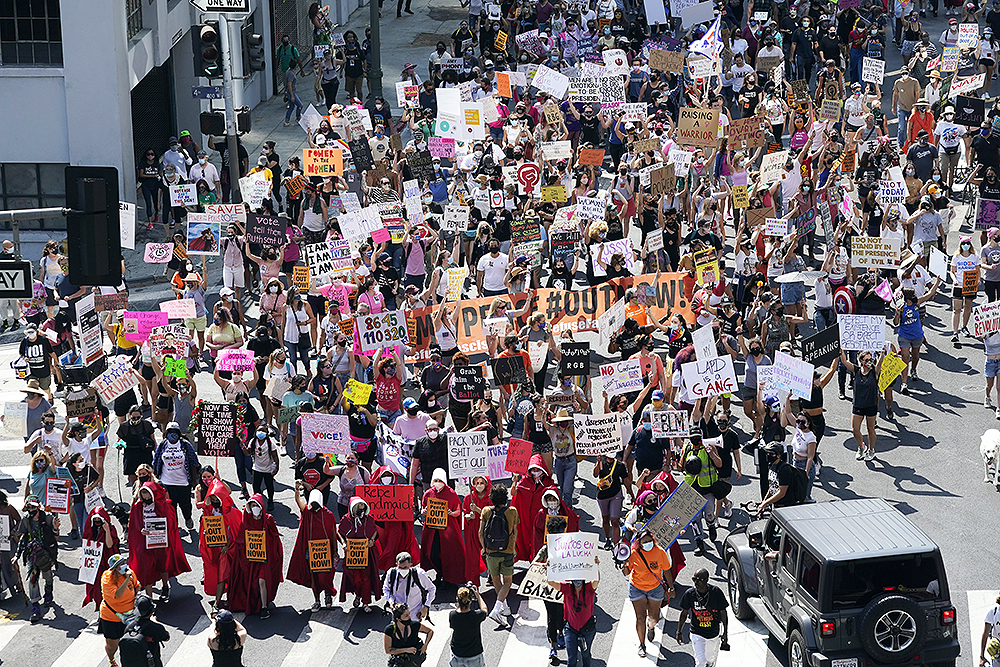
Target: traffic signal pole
[230,109]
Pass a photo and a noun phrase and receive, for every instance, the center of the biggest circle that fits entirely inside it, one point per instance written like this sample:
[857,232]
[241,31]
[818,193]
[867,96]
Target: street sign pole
[376,46]
[227,93]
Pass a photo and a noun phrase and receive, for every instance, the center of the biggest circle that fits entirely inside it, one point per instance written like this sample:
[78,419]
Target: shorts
[500,564]
[748,394]
[989,62]
[612,507]
[50,297]
[232,277]
[956,294]
[869,411]
[636,594]
[111,629]
[992,369]
[792,293]
[44,382]
[195,323]
[147,372]
[909,342]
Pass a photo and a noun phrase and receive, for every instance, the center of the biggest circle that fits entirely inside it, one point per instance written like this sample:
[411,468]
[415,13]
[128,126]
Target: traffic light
[92,227]
[253,53]
[207,50]
[213,123]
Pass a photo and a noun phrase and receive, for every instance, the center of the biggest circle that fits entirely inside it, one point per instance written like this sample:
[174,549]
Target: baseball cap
[202,154]
[410,402]
[184,133]
[657,395]
[952,21]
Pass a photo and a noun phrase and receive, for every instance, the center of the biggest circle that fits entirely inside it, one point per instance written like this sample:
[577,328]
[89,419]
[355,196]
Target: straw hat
[33,387]
[562,416]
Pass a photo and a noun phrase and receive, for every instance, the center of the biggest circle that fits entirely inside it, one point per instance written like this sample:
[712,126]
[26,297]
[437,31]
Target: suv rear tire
[893,629]
[737,592]
[798,654]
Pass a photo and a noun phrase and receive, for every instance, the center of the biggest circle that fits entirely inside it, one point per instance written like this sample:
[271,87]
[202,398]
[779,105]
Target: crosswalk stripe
[625,645]
[748,640]
[11,445]
[527,644]
[18,473]
[8,630]
[979,603]
[320,639]
[87,650]
[440,644]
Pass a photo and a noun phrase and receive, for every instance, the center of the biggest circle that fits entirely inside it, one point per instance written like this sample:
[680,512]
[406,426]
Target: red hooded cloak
[528,500]
[149,564]
[318,524]
[362,582]
[474,565]
[94,590]
[572,521]
[452,549]
[394,537]
[218,565]
[244,593]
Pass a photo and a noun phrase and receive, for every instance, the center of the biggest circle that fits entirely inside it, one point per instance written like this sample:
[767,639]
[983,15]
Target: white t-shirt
[960,264]
[174,472]
[53,440]
[494,270]
[800,443]
[261,451]
[82,446]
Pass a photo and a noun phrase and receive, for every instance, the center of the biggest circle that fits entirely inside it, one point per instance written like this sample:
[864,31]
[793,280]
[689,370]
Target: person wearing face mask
[949,137]
[98,528]
[442,549]
[491,271]
[217,561]
[919,128]
[358,525]
[650,582]
[85,479]
[317,524]
[701,461]
[253,582]
[472,510]
[527,499]
[118,587]
[350,476]
[263,450]
[865,400]
[47,438]
[150,509]
[408,584]
[552,505]
[177,467]
[205,170]
[42,361]
[964,270]
[779,478]
[393,536]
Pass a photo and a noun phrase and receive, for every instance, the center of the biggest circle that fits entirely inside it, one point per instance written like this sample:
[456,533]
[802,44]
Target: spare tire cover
[893,628]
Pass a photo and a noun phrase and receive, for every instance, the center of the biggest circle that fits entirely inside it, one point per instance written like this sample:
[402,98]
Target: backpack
[411,578]
[496,534]
[799,485]
[134,649]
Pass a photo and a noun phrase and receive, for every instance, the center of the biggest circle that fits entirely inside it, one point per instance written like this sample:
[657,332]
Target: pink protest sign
[158,253]
[380,235]
[442,147]
[178,309]
[236,360]
[138,324]
[884,290]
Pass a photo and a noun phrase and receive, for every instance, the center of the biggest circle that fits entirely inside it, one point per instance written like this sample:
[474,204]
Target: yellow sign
[456,280]
[437,514]
[320,557]
[358,393]
[554,193]
[708,274]
[357,554]
[892,366]
[501,41]
[741,198]
[214,530]
[256,546]
[322,161]
[300,277]
[472,118]
[346,326]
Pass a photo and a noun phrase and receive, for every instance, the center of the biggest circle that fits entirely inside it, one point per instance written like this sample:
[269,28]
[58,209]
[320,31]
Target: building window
[133,17]
[25,185]
[30,32]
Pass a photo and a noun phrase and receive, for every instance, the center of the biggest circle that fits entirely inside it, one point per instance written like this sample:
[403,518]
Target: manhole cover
[428,39]
[974,388]
[448,14]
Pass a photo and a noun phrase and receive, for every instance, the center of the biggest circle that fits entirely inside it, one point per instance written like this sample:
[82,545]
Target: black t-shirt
[223,148]
[466,639]
[922,158]
[612,474]
[262,347]
[865,389]
[311,472]
[38,354]
[411,640]
[387,280]
[705,609]
[628,342]
[730,444]
[749,97]
[590,130]
[359,425]
[354,65]
[989,190]
[780,476]
[432,455]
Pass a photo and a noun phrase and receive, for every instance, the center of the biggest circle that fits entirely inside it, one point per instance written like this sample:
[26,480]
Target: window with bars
[133,17]
[28,185]
[30,33]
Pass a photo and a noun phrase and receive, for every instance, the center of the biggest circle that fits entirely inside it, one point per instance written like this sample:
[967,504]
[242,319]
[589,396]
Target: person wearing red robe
[528,500]
[217,561]
[98,527]
[253,584]
[156,562]
[443,550]
[358,524]
[552,505]
[394,537]
[472,509]
[316,524]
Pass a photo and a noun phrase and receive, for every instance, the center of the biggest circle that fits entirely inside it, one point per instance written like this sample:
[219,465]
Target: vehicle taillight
[948,616]
[828,629]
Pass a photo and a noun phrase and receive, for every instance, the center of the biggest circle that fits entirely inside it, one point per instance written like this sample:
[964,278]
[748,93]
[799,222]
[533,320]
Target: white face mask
[537,474]
[552,504]
[647,546]
[480,488]
[256,511]
[386,480]
[272,290]
[438,485]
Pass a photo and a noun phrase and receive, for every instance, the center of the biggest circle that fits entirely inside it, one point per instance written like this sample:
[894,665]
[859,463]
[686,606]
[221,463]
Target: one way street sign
[224,6]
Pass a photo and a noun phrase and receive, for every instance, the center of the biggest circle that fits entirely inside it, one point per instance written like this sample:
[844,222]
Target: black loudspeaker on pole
[93,226]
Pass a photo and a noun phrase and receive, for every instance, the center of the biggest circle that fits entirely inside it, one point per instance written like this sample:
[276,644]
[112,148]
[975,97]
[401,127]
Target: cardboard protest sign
[591,156]
[356,554]
[388,502]
[322,161]
[621,377]
[709,377]
[697,127]
[467,454]
[213,529]
[892,368]
[597,434]
[256,546]
[830,110]
[675,514]
[90,560]
[115,381]
[747,130]
[320,556]
[287,414]
[326,434]
[518,456]
[666,60]
[862,332]
[436,516]
[875,252]
[772,166]
[793,374]
[823,347]
[218,430]
[536,584]
[571,557]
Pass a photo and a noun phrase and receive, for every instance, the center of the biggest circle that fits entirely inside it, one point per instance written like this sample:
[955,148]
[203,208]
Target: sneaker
[906,390]
[329,601]
[727,508]
[265,613]
[287,123]
[408,12]
[315,606]
[48,599]
[553,657]
[988,403]
[860,456]
[870,455]
[189,524]
[642,651]
[3,327]
[17,325]
[889,414]
[964,331]
[954,338]
[650,633]
[913,375]
[561,642]
[699,547]
[843,396]
[36,613]
[713,532]
[506,609]
[74,534]
[497,616]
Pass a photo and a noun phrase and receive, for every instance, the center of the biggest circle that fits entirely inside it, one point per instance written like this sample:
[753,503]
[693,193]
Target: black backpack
[134,650]
[799,485]
[496,534]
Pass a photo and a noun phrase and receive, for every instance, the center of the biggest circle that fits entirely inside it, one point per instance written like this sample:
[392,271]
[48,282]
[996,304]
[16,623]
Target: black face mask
[412,411]
[147,501]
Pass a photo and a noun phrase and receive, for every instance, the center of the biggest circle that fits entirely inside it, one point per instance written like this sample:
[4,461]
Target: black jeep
[844,584]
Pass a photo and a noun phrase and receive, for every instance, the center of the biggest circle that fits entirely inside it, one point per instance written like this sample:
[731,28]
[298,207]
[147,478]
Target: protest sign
[939,263]
[987,213]
[320,557]
[218,431]
[139,324]
[741,197]
[322,161]
[970,282]
[669,423]
[985,319]
[966,87]
[178,309]
[666,60]
[266,230]
[575,359]
[175,368]
[792,374]
[804,223]
[213,530]
[510,370]
[591,208]
[874,252]
[57,495]
[823,347]
[703,339]
[597,434]
[518,456]
[238,360]
[183,195]
[772,166]
[892,367]
[536,585]
[621,377]
[554,193]
[747,130]
[156,532]
[862,332]
[256,546]
[776,227]
[78,404]
[90,559]
[470,382]
[158,253]
[698,127]
[112,383]
[591,156]
[709,377]
[525,230]
[326,434]
[382,330]
[358,393]
[873,70]
[968,35]
[356,554]
[675,514]
[300,278]
[287,414]
[437,514]
[15,422]
[892,192]
[467,454]
[571,557]
[758,216]
[767,64]
[496,460]
[108,302]
[388,502]
[830,110]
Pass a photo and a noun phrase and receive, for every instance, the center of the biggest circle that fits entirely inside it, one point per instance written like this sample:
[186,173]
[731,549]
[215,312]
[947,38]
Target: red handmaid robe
[528,500]
[451,547]
[218,565]
[94,593]
[572,523]
[474,565]
[244,592]
[675,551]
[150,564]
[394,537]
[318,524]
[362,582]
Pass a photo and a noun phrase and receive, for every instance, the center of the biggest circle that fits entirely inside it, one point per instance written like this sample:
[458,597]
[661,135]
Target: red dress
[318,524]
[363,582]
[394,537]
[150,564]
[244,591]
[94,590]
[528,500]
[218,565]
[451,549]
[474,565]
[572,523]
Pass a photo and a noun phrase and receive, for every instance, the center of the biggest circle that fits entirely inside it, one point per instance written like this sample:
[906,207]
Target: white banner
[709,377]
[90,560]
[792,374]
[126,224]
